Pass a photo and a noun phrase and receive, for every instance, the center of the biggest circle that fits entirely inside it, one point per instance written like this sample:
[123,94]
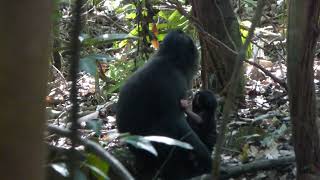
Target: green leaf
[95,125]
[115,87]
[134,31]
[164,14]
[177,20]
[131,16]
[123,43]
[162,26]
[88,63]
[175,16]
[102,175]
[99,167]
[161,37]
[244,25]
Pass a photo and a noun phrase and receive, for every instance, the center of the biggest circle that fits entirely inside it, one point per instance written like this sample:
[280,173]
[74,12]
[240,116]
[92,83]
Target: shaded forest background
[267,87]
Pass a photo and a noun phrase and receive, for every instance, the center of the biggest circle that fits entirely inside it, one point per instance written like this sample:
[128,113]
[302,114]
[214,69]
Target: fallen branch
[254,166]
[258,165]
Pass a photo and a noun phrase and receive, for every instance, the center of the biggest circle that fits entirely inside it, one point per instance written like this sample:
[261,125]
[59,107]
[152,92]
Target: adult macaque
[149,104]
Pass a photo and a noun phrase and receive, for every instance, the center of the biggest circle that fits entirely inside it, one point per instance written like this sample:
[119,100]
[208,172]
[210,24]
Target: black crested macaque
[202,117]
[149,104]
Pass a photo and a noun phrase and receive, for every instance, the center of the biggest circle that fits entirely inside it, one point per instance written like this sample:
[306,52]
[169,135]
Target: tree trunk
[303,30]
[24,37]
[218,19]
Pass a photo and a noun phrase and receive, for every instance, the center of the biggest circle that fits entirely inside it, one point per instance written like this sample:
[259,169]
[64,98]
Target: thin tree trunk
[303,30]
[24,33]
[218,19]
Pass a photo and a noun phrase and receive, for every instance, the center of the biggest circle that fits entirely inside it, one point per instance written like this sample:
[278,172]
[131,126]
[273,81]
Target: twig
[232,91]
[268,73]
[60,74]
[116,24]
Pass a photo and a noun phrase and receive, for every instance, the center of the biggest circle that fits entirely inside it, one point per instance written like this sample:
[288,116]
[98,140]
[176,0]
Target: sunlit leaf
[144,142]
[175,16]
[164,14]
[99,167]
[168,141]
[141,143]
[244,26]
[102,175]
[61,168]
[132,15]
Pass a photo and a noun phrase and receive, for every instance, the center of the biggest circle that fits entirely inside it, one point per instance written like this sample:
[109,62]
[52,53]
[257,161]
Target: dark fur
[205,104]
[149,104]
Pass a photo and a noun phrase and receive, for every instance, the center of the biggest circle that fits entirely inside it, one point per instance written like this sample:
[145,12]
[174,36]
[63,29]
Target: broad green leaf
[99,167]
[100,173]
[132,15]
[123,43]
[134,31]
[175,16]
[162,26]
[164,14]
[95,125]
[88,63]
[161,37]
